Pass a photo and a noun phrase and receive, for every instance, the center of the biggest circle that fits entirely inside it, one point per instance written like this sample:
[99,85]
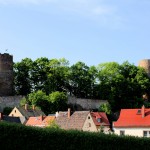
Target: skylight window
[139,111]
[98,119]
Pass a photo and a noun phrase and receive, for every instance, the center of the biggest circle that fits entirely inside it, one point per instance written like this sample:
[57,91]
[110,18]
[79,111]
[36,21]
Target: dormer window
[98,119]
[139,112]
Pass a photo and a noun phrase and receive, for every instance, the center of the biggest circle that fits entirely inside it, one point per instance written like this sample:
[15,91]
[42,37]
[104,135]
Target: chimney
[1,116]
[57,114]
[26,106]
[33,107]
[41,117]
[143,111]
[68,113]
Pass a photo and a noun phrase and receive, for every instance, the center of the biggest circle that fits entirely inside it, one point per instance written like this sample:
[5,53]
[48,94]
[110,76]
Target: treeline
[15,136]
[122,85]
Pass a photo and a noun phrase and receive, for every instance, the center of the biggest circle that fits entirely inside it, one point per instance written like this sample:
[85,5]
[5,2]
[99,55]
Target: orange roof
[40,121]
[47,120]
[102,116]
[133,118]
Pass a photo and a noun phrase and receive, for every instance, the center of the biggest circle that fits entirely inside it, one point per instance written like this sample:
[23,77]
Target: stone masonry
[145,63]
[6,74]
[85,104]
[9,101]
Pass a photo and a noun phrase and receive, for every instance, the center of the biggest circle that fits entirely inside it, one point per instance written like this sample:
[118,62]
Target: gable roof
[30,112]
[48,119]
[76,120]
[11,119]
[40,121]
[102,116]
[133,118]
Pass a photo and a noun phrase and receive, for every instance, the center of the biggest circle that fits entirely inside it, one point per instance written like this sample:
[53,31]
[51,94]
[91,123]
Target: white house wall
[15,113]
[89,124]
[131,131]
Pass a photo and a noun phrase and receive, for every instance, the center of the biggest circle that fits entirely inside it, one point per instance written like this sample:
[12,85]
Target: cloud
[89,7]
[98,10]
[20,2]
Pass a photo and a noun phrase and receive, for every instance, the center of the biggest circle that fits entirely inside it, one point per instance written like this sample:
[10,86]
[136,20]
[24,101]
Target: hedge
[20,137]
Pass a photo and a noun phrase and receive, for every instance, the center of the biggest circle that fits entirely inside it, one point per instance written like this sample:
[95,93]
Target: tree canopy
[121,84]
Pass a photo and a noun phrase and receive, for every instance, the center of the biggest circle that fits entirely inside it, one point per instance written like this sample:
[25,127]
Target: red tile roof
[102,116]
[40,121]
[133,118]
[48,119]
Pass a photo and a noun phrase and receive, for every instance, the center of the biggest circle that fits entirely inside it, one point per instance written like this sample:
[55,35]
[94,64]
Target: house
[9,118]
[40,121]
[134,122]
[24,113]
[101,121]
[78,120]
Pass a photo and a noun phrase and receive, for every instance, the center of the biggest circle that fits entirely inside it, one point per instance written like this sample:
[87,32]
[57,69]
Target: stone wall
[85,104]
[9,101]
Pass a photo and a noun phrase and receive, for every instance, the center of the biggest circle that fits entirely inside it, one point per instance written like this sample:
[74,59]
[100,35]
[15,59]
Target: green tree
[7,110]
[40,99]
[82,80]
[58,75]
[122,85]
[58,101]
[40,74]
[22,77]
[105,108]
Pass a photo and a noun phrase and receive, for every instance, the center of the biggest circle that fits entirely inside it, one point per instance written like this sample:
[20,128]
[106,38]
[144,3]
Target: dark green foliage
[14,136]
[82,80]
[22,76]
[7,110]
[51,103]
[123,85]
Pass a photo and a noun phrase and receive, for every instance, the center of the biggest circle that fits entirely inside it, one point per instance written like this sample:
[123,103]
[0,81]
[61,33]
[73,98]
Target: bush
[15,136]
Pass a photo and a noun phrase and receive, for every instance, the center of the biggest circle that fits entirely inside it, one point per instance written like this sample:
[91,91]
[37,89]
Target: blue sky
[91,31]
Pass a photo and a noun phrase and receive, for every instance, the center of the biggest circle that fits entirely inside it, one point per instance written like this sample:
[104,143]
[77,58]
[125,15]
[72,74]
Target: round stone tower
[6,74]
[145,63]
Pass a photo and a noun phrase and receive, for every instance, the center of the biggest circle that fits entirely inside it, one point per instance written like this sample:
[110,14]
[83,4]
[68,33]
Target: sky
[91,31]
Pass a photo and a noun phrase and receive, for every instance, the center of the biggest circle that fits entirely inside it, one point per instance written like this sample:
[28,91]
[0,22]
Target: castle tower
[6,74]
[145,63]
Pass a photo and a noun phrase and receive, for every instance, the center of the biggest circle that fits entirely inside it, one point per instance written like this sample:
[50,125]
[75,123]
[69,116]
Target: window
[88,117]
[15,111]
[146,133]
[89,124]
[98,119]
[122,132]
[139,112]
